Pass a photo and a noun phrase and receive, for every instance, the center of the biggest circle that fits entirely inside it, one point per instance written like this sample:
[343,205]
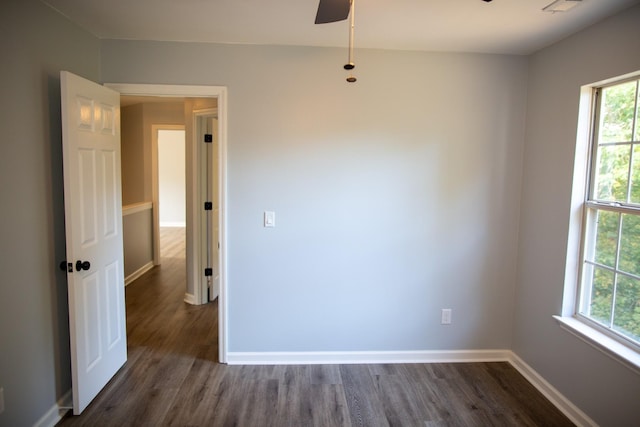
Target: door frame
[220,93]
[201,292]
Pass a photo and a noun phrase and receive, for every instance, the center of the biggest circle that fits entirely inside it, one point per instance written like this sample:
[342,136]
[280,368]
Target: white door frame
[220,93]
[201,289]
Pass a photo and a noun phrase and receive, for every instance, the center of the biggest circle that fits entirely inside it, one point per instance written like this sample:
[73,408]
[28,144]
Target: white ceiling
[501,26]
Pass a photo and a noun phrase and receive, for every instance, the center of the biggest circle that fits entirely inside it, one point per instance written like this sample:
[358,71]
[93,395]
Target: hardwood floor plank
[365,409]
[325,374]
[531,404]
[422,383]
[199,398]
[400,405]
[321,405]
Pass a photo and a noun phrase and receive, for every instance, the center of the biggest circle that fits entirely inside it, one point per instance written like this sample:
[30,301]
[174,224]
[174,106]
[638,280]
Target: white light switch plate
[269,219]
[446,316]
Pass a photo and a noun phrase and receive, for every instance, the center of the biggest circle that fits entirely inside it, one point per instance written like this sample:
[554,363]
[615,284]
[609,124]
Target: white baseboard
[139,272]
[190,299]
[352,357]
[571,411]
[57,411]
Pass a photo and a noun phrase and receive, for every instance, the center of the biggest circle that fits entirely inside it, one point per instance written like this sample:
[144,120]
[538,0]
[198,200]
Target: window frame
[591,206]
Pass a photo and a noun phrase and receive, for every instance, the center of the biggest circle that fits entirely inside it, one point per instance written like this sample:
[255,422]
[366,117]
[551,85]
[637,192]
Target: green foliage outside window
[615,296]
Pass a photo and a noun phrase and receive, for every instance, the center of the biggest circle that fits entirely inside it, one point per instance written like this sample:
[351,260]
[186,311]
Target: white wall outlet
[1,400]
[269,219]
[446,316]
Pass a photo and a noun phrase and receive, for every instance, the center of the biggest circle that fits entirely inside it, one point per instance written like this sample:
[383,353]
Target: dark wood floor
[172,378]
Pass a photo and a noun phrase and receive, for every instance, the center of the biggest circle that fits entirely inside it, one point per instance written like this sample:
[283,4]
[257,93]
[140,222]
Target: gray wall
[606,390]
[36,43]
[395,197]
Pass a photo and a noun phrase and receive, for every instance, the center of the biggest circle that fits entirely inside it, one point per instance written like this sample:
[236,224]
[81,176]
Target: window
[609,296]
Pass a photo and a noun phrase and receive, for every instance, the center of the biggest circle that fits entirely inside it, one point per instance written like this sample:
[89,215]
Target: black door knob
[82,265]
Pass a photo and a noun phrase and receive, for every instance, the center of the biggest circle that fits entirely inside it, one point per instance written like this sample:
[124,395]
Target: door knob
[66,267]
[82,265]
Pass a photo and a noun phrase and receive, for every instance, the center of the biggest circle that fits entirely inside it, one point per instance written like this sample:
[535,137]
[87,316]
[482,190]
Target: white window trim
[567,318]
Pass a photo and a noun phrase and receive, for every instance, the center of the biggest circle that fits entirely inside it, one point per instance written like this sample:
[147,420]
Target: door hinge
[208,206]
[208,137]
[208,272]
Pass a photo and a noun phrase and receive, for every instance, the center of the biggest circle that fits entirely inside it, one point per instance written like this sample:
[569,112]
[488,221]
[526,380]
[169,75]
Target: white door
[93,220]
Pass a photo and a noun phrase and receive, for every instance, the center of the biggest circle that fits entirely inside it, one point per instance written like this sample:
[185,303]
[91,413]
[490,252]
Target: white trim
[223,338]
[359,357]
[177,91]
[173,224]
[190,299]
[56,412]
[136,207]
[219,92]
[570,410]
[139,272]
[198,215]
[602,342]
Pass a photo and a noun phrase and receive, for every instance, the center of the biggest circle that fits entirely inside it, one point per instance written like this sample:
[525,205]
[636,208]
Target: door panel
[93,221]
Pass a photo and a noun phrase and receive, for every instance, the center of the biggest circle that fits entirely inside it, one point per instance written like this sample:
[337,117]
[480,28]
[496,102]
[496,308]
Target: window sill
[612,348]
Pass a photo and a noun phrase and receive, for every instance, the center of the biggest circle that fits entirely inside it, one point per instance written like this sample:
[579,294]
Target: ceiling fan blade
[332,11]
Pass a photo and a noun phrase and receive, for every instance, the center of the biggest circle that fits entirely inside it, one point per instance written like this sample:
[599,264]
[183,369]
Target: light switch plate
[269,219]
[446,316]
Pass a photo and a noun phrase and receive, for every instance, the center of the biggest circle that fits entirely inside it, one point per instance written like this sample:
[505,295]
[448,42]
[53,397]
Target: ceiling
[500,26]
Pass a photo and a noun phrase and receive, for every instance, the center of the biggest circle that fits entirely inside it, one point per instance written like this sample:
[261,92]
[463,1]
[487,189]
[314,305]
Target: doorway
[196,98]
[171,178]
[169,185]
[170,236]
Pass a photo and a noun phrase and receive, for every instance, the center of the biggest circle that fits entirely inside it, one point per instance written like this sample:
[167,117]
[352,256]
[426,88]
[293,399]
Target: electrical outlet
[446,316]
[1,400]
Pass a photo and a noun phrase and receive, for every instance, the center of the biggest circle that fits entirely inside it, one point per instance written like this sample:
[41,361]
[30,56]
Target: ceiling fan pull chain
[350,65]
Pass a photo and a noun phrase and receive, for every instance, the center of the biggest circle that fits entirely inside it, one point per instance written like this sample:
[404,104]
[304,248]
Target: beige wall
[137,231]
[136,146]
[132,148]
[157,114]
[171,178]
[137,139]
